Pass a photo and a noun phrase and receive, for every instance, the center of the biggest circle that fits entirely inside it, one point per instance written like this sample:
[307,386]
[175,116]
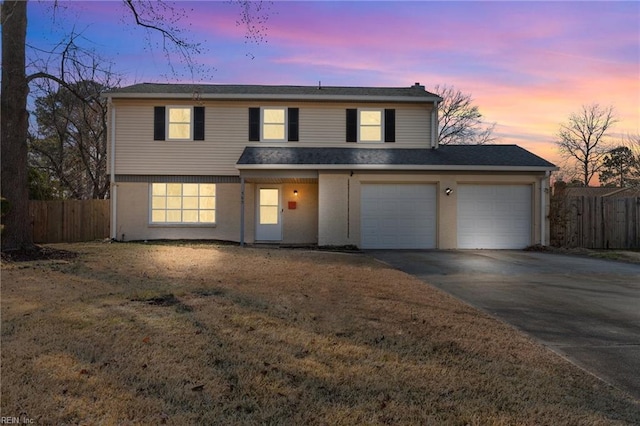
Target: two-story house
[313,165]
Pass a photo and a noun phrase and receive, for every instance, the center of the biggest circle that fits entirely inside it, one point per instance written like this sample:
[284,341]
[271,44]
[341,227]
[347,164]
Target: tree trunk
[16,233]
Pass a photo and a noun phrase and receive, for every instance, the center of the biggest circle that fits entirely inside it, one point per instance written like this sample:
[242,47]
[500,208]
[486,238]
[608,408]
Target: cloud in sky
[528,65]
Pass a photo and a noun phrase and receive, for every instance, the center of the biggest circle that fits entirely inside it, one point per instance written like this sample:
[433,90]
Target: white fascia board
[263,173]
[388,167]
[245,97]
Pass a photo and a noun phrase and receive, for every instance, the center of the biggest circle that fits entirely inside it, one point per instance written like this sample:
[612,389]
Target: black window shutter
[352,125]
[198,123]
[158,123]
[293,114]
[389,125]
[254,124]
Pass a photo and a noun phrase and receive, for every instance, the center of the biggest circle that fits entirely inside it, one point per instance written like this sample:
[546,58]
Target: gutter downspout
[114,187]
[543,208]
[434,126]
[241,211]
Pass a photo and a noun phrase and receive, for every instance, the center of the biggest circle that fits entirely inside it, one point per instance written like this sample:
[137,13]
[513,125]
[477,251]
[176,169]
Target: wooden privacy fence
[69,221]
[595,222]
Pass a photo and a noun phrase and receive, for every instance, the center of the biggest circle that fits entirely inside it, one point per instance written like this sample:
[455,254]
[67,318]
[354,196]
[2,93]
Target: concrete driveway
[587,310]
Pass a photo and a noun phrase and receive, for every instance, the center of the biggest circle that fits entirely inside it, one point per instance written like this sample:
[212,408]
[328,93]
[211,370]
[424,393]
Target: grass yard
[215,334]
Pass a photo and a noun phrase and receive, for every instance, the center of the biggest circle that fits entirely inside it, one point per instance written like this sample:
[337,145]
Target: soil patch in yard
[218,334]
[37,253]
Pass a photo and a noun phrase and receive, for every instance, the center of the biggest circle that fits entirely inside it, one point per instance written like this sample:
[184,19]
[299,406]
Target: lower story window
[184,203]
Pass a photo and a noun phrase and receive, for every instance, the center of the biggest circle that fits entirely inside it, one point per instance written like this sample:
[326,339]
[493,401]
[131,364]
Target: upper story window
[371,125]
[178,123]
[370,129]
[273,124]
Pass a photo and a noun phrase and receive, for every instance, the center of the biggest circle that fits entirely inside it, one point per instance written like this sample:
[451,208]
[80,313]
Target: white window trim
[381,111]
[153,224]
[168,123]
[286,124]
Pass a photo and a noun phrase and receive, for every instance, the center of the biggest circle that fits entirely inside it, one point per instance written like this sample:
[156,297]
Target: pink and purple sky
[528,65]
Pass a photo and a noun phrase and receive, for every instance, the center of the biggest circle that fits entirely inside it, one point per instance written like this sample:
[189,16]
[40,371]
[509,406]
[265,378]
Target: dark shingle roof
[447,156]
[230,91]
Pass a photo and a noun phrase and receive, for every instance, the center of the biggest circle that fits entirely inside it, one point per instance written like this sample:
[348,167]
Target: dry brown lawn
[218,334]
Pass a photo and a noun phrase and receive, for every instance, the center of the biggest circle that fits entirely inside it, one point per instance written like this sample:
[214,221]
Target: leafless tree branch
[584,138]
[460,121]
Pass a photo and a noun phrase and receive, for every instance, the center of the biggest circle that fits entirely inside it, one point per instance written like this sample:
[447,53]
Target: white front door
[269,214]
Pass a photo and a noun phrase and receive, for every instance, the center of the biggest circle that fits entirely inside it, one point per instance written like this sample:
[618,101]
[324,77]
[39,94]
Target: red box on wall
[292,205]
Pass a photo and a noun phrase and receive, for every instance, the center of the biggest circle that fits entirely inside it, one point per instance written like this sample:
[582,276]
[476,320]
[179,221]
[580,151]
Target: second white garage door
[494,216]
[398,216]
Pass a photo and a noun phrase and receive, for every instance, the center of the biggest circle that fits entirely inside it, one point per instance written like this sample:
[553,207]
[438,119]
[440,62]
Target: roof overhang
[274,97]
[280,176]
[395,167]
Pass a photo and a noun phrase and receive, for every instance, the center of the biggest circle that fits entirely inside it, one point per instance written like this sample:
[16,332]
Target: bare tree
[69,144]
[583,139]
[155,16]
[460,121]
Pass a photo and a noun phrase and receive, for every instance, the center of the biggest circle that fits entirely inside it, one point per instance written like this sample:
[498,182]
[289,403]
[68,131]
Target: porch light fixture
[448,191]
[295,192]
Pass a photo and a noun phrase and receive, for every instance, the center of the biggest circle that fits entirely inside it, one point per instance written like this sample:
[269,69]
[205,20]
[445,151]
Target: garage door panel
[398,216]
[494,216]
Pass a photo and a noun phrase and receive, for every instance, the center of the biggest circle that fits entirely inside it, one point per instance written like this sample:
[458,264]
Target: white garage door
[398,216]
[494,216]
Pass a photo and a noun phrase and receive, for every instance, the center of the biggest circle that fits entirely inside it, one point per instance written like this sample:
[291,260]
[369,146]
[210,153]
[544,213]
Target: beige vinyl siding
[322,126]
[226,134]
[413,128]
[326,126]
[138,153]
